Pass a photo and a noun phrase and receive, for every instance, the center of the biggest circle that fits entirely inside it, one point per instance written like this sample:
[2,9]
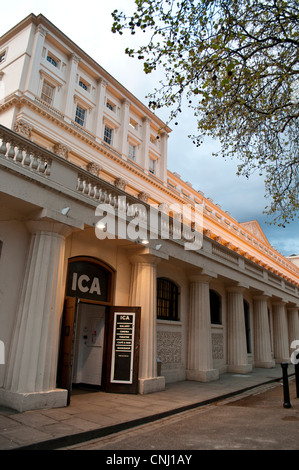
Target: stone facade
[72,140]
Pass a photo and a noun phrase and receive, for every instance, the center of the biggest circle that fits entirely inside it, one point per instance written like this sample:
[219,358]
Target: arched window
[247,325]
[167,299]
[215,308]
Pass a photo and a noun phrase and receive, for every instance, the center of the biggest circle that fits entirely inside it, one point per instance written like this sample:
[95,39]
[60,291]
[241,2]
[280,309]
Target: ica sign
[88,280]
[85,284]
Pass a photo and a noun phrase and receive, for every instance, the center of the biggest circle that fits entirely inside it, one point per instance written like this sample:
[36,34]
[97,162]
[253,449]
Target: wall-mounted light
[100,225]
[65,210]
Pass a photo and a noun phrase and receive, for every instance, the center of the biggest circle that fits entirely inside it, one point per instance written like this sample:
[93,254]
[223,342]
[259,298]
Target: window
[2,56]
[52,60]
[167,299]
[152,166]
[108,135]
[215,308]
[82,85]
[132,151]
[133,124]
[110,106]
[47,92]
[80,115]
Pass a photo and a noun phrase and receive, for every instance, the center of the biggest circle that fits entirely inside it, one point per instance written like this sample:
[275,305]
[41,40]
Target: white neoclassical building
[114,272]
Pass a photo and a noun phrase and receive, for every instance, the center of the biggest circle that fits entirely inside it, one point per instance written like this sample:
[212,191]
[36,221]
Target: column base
[265,364]
[202,375]
[240,369]
[33,401]
[155,384]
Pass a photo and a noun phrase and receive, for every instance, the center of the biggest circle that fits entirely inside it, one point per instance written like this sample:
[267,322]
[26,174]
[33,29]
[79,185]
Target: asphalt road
[248,422]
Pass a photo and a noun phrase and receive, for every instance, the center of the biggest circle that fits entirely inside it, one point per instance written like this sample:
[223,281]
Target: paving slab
[95,414]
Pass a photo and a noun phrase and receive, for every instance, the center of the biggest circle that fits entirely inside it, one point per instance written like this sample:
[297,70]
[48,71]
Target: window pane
[132,151]
[108,135]
[51,60]
[80,116]
[82,85]
[47,93]
[167,300]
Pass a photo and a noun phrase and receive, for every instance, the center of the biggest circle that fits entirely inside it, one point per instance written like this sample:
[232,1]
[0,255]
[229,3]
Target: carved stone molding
[23,128]
[61,150]
[120,183]
[143,196]
[93,168]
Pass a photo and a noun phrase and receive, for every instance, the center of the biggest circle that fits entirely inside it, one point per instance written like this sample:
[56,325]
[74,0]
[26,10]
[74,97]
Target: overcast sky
[88,24]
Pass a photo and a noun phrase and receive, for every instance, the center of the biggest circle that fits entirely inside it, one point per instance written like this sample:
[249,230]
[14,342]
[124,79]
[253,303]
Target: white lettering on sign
[83,284]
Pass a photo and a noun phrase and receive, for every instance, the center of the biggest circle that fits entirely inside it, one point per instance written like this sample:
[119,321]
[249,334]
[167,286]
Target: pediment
[254,227]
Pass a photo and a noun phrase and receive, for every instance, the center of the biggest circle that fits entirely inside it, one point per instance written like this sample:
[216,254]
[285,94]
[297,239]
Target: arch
[167,299]
[215,307]
[90,279]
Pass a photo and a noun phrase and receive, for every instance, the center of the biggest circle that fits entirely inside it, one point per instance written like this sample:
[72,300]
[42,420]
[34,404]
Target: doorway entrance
[99,343]
[89,344]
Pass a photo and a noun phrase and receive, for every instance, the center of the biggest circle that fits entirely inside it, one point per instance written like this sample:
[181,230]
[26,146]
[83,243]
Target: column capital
[279,303]
[202,275]
[50,226]
[235,289]
[261,297]
[141,254]
[200,278]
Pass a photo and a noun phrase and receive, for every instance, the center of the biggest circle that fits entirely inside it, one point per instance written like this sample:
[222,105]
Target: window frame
[78,118]
[49,99]
[52,60]
[132,155]
[108,136]
[152,166]
[167,299]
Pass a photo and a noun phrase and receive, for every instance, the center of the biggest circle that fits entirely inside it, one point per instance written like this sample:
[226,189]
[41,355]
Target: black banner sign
[123,348]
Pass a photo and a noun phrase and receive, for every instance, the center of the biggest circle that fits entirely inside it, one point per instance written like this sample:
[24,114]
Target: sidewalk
[94,414]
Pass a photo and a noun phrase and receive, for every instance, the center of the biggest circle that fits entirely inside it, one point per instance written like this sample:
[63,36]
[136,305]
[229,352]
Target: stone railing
[24,156]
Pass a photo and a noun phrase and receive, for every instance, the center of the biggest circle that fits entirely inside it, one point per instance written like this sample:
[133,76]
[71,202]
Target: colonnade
[31,369]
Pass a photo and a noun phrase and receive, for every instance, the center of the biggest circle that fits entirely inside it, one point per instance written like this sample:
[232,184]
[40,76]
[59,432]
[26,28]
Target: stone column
[293,324]
[125,114]
[71,81]
[262,340]
[143,293]
[200,360]
[36,57]
[280,333]
[31,374]
[236,341]
[100,106]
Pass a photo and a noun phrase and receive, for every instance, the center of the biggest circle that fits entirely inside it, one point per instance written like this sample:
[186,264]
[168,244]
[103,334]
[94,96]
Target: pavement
[95,414]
